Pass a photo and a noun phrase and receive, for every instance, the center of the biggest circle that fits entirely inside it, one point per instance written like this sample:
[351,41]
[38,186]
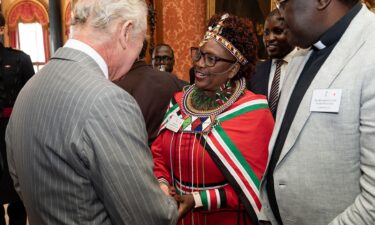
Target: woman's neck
[210,94]
[198,102]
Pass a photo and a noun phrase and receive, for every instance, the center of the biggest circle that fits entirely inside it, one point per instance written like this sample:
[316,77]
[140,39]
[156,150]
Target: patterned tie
[274,94]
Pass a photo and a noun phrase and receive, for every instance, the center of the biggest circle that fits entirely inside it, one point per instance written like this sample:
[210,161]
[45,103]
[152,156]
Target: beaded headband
[215,33]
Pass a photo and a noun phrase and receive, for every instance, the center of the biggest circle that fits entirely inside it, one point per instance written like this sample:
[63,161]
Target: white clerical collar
[83,47]
[319,45]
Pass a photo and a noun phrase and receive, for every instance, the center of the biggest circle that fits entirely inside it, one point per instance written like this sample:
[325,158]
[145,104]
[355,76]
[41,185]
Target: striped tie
[274,94]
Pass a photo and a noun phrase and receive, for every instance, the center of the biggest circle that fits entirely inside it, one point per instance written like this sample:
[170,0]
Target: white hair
[101,14]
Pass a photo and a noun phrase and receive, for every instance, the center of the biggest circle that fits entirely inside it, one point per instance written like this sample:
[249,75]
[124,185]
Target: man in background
[163,58]
[77,143]
[270,74]
[322,167]
[16,69]
[152,90]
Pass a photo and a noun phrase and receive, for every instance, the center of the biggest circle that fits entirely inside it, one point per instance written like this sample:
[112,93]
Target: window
[31,42]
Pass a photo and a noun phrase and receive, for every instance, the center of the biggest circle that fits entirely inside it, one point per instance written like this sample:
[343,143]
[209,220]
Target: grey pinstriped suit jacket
[77,149]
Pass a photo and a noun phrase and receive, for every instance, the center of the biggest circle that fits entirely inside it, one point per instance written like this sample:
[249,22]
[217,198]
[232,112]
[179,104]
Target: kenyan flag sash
[230,161]
[173,109]
[235,169]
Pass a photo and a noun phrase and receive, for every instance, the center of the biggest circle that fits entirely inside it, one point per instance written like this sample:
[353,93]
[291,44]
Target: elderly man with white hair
[76,142]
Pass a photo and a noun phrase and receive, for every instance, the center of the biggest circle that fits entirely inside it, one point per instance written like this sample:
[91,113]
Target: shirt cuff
[197,199]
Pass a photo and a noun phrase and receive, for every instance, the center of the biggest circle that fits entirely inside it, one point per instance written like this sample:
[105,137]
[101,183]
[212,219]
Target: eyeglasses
[209,59]
[163,58]
[280,4]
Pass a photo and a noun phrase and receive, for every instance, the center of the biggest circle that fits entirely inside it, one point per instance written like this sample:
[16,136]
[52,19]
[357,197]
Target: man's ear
[322,4]
[234,70]
[125,33]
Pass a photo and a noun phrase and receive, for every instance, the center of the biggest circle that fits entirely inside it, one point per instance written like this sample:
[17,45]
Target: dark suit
[259,81]
[15,70]
[152,89]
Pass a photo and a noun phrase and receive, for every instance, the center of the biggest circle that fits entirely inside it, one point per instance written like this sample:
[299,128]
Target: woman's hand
[172,191]
[186,204]
[168,190]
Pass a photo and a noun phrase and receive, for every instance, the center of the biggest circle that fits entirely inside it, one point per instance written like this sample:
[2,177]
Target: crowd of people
[98,136]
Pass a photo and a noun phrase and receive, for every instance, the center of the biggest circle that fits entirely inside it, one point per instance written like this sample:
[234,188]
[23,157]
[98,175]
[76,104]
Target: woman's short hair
[101,13]
[240,32]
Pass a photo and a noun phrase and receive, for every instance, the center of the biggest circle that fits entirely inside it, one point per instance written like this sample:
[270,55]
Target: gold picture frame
[211,8]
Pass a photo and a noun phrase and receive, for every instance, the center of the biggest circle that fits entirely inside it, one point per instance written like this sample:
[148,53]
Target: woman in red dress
[211,151]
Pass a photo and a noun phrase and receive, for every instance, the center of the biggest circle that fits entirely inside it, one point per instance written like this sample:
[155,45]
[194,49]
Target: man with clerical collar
[269,75]
[321,169]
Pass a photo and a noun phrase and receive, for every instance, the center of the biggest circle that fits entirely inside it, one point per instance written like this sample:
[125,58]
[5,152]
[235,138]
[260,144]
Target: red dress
[182,159]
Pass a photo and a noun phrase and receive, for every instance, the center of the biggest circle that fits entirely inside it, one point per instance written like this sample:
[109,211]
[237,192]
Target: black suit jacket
[259,81]
[152,89]
[16,69]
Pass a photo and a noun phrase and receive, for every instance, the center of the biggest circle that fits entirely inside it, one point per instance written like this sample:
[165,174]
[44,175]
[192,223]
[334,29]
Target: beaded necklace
[195,103]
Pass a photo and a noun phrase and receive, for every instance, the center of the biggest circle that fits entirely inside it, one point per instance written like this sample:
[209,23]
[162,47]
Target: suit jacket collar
[352,40]
[87,49]
[333,34]
[267,77]
[262,76]
[138,64]
[80,57]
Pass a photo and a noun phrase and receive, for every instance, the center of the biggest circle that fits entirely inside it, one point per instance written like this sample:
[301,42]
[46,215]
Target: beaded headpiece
[215,33]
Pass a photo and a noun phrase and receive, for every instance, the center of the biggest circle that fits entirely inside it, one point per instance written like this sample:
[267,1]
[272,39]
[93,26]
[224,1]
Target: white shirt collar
[83,47]
[288,57]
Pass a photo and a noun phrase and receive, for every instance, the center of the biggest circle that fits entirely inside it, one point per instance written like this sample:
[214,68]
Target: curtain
[28,12]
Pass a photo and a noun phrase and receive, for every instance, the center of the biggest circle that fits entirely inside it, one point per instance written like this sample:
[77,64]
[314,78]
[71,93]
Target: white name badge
[326,100]
[174,123]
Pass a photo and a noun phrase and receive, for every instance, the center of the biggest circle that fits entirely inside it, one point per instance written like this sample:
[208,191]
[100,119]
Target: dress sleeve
[161,159]
[224,197]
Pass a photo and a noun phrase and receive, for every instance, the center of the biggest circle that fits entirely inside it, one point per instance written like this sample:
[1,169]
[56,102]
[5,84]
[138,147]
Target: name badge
[326,100]
[174,123]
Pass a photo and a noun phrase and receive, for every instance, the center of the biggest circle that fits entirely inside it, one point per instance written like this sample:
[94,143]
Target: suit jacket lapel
[346,48]
[259,81]
[292,74]
[267,78]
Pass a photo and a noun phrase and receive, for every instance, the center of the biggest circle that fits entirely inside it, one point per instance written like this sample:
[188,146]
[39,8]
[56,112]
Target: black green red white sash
[235,169]
[173,109]
[230,161]
[243,108]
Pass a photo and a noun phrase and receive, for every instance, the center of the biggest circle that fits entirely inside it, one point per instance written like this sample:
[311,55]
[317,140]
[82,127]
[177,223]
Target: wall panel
[183,25]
